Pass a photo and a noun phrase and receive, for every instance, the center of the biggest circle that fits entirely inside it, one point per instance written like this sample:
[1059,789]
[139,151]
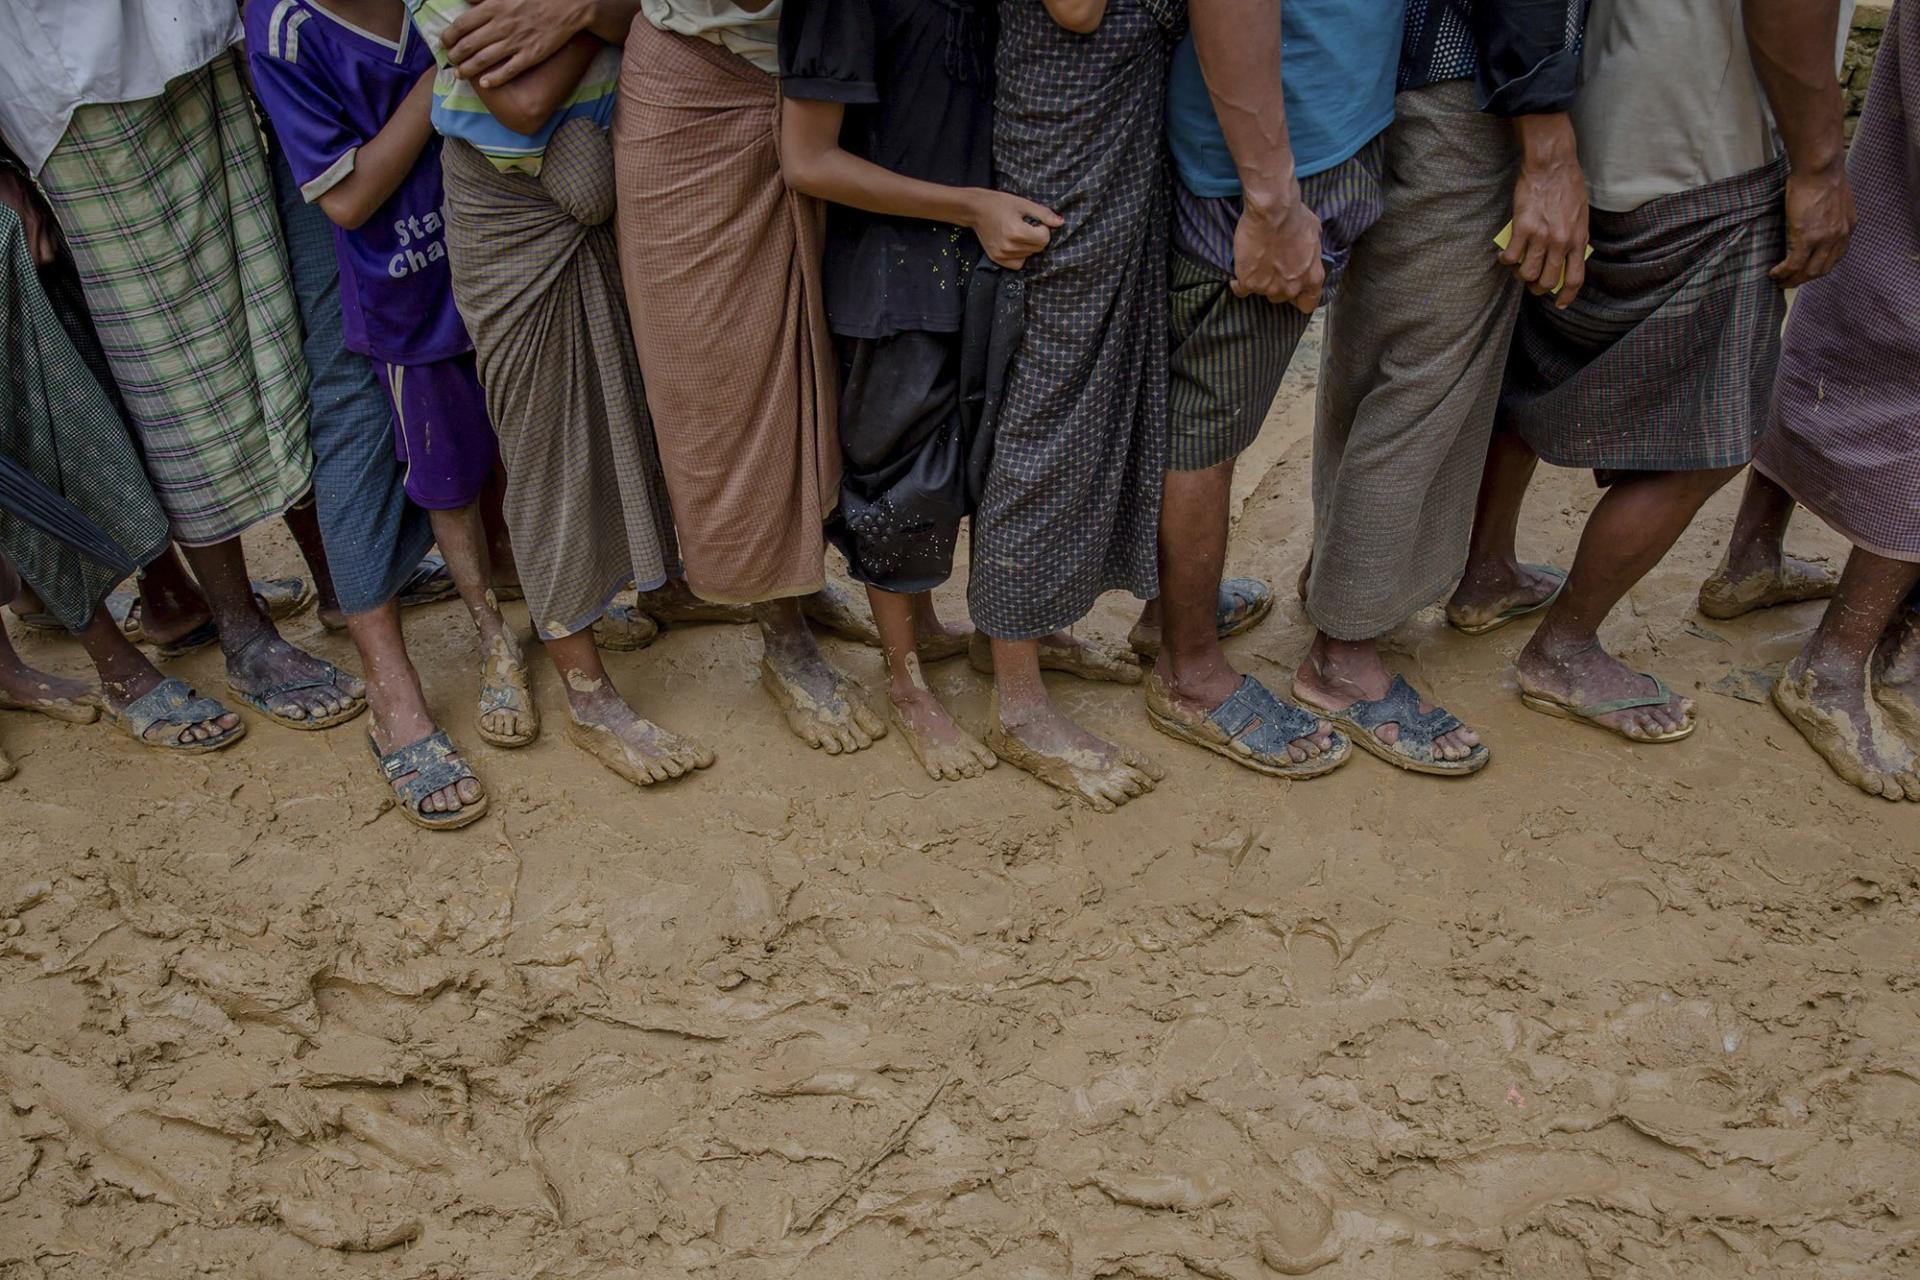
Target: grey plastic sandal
[434,765]
[1412,749]
[176,707]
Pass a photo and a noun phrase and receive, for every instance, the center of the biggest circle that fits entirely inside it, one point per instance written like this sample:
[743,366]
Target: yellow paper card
[1505,238]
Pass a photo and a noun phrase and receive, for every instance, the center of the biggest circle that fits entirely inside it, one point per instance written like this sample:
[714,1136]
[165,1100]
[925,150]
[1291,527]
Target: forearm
[841,177]
[526,102]
[1792,43]
[384,161]
[611,19]
[1238,43]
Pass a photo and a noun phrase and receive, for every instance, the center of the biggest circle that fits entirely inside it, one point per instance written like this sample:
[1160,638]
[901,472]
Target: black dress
[916,79]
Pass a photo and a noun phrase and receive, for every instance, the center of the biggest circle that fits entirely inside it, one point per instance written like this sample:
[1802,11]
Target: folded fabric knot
[578,171]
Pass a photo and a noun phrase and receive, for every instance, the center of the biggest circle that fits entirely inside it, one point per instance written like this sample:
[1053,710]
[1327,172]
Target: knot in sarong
[578,171]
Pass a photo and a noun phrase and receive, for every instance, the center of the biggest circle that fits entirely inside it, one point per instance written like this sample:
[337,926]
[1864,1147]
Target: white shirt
[63,54]
[754,36]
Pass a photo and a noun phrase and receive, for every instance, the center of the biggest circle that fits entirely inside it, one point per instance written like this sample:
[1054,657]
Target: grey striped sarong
[1071,505]
[1665,361]
[537,281]
[1416,341]
[62,423]
[1845,439]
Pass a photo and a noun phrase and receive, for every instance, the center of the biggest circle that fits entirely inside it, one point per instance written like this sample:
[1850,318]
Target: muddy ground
[1604,1011]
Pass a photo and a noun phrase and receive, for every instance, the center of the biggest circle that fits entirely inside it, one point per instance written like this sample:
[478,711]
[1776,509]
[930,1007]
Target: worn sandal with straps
[1412,748]
[1253,727]
[173,707]
[434,765]
[1590,713]
[1242,605]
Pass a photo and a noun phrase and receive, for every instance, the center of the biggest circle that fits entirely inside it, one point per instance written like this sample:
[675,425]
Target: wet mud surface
[1603,1011]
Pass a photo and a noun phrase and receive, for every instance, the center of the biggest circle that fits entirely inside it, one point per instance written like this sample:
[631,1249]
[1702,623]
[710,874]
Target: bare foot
[1834,714]
[508,714]
[296,688]
[945,750]
[1896,677]
[1047,744]
[1063,652]
[604,726]
[936,641]
[24,688]
[1492,588]
[831,610]
[675,605]
[1733,591]
[1588,675]
[823,706]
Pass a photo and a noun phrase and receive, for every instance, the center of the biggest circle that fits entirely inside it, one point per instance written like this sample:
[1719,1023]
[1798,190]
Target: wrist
[1546,141]
[1271,200]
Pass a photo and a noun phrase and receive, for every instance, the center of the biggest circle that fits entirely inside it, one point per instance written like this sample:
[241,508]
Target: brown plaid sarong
[535,276]
[1665,361]
[1845,439]
[722,266]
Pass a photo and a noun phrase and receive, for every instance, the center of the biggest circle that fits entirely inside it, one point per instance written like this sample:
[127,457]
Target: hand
[1012,230]
[1820,218]
[496,40]
[1548,251]
[43,233]
[1276,254]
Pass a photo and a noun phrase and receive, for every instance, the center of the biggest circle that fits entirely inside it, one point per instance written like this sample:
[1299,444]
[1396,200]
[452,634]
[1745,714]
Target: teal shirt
[1338,60]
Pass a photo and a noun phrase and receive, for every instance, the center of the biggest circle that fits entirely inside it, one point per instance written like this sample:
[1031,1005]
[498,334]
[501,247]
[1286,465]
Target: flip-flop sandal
[1518,611]
[280,599]
[435,765]
[1253,727]
[174,705]
[266,699]
[1661,696]
[506,697]
[1088,661]
[624,628]
[1243,604]
[1797,581]
[55,709]
[1412,749]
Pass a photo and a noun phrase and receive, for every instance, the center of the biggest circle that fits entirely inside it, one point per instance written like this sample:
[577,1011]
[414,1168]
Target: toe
[468,791]
[292,711]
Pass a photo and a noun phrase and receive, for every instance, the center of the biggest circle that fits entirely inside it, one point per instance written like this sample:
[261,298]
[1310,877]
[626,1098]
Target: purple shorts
[441,432]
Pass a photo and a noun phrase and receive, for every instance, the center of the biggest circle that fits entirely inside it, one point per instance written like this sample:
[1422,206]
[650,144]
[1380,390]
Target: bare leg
[257,658]
[1193,670]
[605,725]
[303,522]
[398,705]
[1636,522]
[504,570]
[1495,580]
[1827,691]
[1337,673]
[172,605]
[943,749]
[1756,571]
[823,706]
[1033,734]
[508,717]
[932,638]
[30,689]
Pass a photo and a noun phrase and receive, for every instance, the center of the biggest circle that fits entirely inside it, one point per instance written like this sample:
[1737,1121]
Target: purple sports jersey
[328,87]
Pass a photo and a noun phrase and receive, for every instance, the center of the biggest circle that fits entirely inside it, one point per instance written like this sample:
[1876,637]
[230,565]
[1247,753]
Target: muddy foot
[831,610]
[7,767]
[1062,652]
[639,750]
[1492,595]
[1838,720]
[23,688]
[1726,595]
[1577,684]
[945,750]
[1061,754]
[508,716]
[452,806]
[1896,678]
[291,686]
[675,605]
[823,706]
[936,641]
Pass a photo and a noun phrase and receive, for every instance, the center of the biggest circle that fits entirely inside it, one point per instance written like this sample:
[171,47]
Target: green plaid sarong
[60,424]
[168,205]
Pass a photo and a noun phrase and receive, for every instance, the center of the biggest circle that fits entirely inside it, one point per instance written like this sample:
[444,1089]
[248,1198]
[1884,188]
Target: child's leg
[508,716]
[944,749]
[396,703]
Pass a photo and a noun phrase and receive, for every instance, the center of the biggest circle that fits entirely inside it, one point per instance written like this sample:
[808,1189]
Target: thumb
[1046,216]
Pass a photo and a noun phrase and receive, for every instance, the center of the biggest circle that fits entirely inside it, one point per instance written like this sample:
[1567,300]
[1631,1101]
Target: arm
[18,193]
[383,163]
[1528,66]
[498,40]
[1077,15]
[1792,42]
[524,103]
[811,159]
[1276,247]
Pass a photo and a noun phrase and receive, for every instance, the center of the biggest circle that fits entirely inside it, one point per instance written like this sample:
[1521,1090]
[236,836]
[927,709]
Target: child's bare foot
[945,750]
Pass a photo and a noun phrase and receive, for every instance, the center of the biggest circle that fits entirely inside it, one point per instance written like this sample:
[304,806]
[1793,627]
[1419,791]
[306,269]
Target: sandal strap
[1238,597]
[1254,708]
[433,761]
[1401,707]
[1662,695]
[171,702]
[498,697]
[273,693]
